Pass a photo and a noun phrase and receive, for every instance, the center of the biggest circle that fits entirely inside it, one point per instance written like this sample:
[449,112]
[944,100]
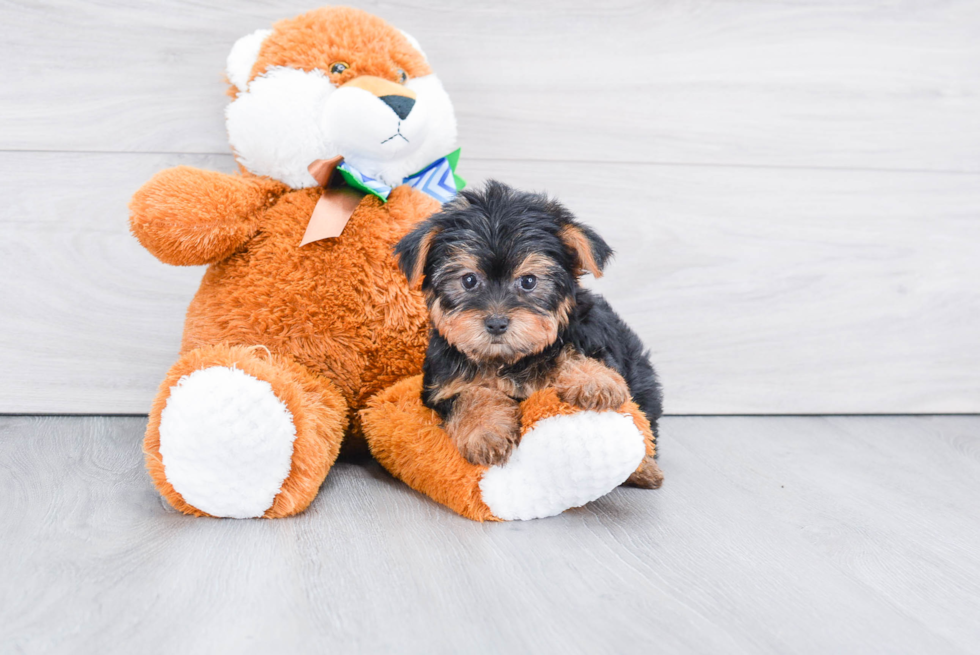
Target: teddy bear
[304,335]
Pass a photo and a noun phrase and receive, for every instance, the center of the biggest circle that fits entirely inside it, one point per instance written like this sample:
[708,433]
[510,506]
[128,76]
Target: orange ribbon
[335,206]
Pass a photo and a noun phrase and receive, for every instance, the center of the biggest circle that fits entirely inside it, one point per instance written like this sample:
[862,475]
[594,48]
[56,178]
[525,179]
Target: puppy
[500,271]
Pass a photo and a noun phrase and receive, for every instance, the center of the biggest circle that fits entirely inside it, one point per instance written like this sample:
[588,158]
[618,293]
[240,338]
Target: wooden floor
[771,535]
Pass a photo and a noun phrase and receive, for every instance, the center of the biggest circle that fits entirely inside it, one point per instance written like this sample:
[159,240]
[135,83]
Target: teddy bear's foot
[563,462]
[566,456]
[237,432]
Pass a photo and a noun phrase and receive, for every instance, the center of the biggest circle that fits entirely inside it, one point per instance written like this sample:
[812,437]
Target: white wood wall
[793,189]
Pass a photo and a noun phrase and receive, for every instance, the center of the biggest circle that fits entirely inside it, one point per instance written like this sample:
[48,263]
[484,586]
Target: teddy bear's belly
[339,306]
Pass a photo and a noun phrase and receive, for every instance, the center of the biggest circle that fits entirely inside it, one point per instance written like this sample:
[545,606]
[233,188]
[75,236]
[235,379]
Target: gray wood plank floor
[771,535]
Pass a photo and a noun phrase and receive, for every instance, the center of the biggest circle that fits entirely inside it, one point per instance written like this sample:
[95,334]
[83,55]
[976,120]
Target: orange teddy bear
[295,343]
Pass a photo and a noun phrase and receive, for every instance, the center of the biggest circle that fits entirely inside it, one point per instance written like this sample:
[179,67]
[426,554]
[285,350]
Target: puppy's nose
[496,324]
[401,105]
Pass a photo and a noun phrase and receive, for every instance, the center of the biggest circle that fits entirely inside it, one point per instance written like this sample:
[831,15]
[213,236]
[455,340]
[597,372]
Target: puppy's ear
[413,250]
[590,250]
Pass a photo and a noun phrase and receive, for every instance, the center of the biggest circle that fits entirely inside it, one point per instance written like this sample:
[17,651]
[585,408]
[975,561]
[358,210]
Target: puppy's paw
[648,476]
[485,426]
[590,384]
[487,447]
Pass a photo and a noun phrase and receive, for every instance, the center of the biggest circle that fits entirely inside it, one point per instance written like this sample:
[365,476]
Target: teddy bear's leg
[566,456]
[239,432]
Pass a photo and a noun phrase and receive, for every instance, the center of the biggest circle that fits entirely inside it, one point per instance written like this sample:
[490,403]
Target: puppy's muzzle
[496,324]
[399,98]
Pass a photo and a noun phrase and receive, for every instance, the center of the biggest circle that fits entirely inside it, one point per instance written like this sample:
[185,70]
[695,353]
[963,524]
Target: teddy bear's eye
[338,67]
[402,76]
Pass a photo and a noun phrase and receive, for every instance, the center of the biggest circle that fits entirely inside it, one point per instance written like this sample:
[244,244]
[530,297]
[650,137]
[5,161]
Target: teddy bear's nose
[401,105]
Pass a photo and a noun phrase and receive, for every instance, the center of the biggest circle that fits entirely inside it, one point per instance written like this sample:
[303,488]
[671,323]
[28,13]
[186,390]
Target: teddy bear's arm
[188,216]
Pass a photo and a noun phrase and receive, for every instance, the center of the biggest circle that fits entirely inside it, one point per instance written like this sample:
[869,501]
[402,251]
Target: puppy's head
[499,269]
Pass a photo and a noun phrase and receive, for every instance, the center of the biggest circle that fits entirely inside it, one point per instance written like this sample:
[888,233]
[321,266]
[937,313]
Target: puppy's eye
[469,281]
[338,67]
[528,282]
[402,76]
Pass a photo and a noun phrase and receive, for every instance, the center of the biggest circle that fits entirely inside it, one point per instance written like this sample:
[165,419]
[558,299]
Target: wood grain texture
[768,267]
[873,84]
[771,535]
[784,292]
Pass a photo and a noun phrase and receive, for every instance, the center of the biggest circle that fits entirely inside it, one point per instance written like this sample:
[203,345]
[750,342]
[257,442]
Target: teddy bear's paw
[563,462]
[226,442]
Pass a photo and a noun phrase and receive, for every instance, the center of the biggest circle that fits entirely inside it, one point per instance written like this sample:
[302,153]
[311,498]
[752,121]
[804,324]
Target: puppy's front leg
[589,384]
[484,424]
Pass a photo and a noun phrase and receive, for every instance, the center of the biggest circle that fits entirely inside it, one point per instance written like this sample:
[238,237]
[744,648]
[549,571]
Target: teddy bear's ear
[242,57]
[415,43]
[413,250]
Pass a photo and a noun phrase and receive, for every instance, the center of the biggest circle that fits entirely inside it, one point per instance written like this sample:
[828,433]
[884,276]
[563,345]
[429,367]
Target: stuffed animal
[345,140]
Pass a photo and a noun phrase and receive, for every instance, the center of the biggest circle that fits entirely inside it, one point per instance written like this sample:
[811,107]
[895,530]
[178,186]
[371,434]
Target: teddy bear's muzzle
[398,97]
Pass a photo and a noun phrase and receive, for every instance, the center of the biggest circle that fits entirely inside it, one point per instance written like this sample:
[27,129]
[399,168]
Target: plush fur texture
[188,217]
[242,58]
[407,439]
[335,313]
[227,441]
[563,462]
[500,272]
[330,324]
[304,97]
[316,407]
[339,307]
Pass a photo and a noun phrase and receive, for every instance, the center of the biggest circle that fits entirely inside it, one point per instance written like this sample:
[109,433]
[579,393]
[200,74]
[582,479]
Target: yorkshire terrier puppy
[500,271]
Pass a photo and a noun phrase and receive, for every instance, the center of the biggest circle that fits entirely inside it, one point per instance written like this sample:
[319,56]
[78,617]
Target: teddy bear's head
[335,81]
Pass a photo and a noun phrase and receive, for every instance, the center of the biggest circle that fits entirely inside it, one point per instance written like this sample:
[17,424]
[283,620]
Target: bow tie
[337,204]
[438,179]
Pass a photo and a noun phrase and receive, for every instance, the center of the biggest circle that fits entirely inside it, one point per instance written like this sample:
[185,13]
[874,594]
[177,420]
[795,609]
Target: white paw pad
[226,441]
[563,462]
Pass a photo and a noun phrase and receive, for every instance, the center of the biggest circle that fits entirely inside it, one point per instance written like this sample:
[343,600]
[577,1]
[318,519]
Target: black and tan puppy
[500,273]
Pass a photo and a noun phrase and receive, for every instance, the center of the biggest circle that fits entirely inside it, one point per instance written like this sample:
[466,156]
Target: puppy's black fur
[477,258]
